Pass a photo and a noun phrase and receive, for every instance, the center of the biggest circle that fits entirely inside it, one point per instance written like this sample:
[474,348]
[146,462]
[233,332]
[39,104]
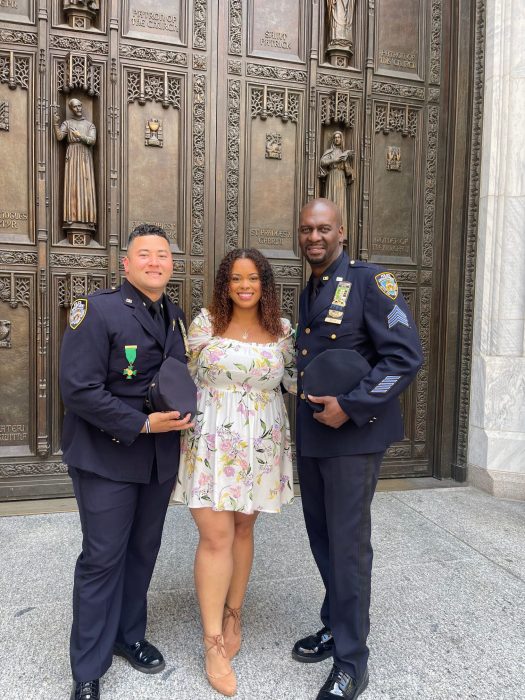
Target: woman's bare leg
[242,566]
[213,574]
[242,558]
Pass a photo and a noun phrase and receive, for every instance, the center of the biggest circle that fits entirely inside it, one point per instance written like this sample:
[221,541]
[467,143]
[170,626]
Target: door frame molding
[458,256]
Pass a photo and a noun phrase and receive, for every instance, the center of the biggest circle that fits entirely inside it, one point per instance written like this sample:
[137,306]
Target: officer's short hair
[147,230]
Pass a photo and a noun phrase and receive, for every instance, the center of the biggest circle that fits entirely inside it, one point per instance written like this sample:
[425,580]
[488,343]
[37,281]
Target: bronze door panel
[216,120]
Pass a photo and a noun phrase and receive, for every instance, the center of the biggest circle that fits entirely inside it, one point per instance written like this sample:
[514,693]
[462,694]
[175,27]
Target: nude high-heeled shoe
[231,630]
[225,683]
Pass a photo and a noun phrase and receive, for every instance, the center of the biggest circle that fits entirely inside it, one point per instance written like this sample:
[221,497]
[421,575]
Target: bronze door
[215,119]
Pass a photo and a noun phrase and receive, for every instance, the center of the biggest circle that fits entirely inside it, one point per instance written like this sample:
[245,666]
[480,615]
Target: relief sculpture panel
[17,10]
[16,364]
[275,31]
[153,156]
[399,32]
[16,202]
[274,168]
[395,205]
[156,20]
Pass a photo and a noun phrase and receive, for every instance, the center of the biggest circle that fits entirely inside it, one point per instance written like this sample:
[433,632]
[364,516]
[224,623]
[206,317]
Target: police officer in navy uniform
[122,459]
[357,306]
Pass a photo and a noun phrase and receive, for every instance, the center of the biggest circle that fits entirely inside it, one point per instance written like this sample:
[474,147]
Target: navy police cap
[333,372]
[173,389]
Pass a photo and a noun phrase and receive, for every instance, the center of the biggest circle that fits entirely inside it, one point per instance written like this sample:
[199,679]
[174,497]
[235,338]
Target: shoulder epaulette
[100,292]
[356,264]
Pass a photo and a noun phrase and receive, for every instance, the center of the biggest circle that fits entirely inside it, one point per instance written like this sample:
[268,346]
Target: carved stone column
[496,455]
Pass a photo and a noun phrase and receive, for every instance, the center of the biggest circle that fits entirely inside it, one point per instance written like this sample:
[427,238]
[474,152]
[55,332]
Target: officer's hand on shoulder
[333,415]
[164,422]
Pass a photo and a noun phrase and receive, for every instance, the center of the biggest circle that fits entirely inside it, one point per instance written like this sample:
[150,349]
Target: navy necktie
[158,316]
[316,288]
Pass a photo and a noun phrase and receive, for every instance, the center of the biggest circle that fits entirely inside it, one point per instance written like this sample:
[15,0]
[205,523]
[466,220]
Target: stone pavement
[448,605]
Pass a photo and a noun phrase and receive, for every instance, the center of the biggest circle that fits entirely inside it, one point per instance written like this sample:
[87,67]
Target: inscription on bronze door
[217,121]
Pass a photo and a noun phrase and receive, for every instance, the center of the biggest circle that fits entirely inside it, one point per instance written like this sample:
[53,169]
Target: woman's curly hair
[221,307]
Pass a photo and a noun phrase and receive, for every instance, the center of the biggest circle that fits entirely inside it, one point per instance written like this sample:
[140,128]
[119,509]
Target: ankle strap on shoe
[214,640]
[236,614]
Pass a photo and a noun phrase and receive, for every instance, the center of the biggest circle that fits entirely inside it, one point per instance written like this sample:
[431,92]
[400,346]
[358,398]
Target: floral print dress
[238,455]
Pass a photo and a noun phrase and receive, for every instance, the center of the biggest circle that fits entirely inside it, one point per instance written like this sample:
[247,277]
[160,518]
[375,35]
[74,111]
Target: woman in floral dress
[236,461]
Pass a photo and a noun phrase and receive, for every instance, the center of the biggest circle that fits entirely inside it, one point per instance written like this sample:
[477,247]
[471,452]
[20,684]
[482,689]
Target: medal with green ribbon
[131,355]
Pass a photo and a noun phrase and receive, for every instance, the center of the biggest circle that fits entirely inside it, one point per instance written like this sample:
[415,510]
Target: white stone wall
[496,452]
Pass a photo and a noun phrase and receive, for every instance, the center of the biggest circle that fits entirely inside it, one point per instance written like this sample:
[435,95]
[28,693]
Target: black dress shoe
[85,690]
[340,684]
[314,648]
[142,655]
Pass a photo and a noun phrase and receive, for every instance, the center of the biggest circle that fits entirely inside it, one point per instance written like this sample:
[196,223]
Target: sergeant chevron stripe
[397,316]
[385,384]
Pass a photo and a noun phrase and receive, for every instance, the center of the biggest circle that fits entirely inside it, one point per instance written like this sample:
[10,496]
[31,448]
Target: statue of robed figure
[336,169]
[340,15]
[80,206]
[81,13]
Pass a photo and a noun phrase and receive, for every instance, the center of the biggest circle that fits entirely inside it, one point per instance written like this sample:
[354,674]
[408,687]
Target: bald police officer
[354,306]
[122,459]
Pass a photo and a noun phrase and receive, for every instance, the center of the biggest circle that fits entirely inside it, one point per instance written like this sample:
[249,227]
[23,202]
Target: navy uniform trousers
[122,528]
[336,494]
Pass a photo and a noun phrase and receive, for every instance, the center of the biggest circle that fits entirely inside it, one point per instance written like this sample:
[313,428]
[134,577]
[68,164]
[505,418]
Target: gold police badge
[337,307]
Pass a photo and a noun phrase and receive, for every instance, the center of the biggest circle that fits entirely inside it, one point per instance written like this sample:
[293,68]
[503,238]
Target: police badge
[337,307]
[78,313]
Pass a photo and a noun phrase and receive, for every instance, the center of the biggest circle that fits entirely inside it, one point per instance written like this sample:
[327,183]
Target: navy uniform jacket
[376,323]
[104,410]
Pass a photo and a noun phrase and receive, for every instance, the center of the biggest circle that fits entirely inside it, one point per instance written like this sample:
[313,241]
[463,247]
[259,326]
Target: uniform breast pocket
[338,335]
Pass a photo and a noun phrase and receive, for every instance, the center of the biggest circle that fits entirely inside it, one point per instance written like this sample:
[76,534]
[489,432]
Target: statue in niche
[80,205]
[92,5]
[340,31]
[337,171]
[81,13]
[5,334]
